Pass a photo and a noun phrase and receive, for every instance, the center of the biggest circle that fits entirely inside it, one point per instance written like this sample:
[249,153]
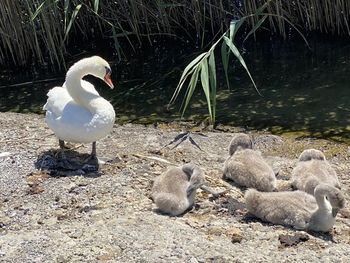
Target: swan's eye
[108,71]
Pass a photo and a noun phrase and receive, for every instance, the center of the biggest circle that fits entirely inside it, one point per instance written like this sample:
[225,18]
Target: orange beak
[108,80]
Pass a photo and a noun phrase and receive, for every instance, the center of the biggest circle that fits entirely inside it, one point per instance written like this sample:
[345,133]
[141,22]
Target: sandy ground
[109,217]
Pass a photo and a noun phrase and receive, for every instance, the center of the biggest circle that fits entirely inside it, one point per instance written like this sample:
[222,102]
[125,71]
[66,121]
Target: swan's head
[97,67]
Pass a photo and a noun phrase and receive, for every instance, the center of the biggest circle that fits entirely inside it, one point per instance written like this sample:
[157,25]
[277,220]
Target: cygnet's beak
[194,186]
[335,212]
[108,80]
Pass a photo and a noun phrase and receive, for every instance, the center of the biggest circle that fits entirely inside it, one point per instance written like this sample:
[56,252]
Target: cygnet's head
[240,140]
[97,67]
[195,176]
[311,154]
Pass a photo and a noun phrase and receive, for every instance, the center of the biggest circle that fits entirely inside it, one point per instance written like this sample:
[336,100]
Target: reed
[40,31]
[326,16]
[205,66]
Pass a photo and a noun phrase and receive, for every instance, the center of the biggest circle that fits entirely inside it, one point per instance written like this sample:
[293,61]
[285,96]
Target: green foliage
[71,21]
[205,64]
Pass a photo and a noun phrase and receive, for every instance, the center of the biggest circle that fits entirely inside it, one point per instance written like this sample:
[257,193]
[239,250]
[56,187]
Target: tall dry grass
[40,30]
[325,16]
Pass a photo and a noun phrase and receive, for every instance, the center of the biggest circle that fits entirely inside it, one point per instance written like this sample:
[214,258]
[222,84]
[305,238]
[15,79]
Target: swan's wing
[75,117]
[89,87]
[61,107]
[72,124]
[58,97]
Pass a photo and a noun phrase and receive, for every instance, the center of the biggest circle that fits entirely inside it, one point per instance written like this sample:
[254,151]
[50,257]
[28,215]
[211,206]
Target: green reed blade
[212,78]
[191,87]
[188,70]
[205,85]
[71,21]
[236,52]
[96,5]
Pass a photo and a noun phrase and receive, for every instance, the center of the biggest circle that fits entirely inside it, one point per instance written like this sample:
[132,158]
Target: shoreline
[110,217]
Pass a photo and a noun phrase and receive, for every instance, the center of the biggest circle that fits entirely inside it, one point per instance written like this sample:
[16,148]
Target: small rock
[193,260]
[289,240]
[51,221]
[61,214]
[62,259]
[76,234]
[267,140]
[236,234]
[4,221]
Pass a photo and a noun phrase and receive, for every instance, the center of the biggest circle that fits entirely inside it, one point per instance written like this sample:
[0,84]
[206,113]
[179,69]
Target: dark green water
[303,90]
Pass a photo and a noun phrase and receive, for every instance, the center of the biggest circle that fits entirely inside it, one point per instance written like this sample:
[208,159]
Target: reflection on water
[302,90]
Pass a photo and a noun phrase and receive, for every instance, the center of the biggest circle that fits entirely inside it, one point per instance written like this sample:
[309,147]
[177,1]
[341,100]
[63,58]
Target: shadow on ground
[73,164]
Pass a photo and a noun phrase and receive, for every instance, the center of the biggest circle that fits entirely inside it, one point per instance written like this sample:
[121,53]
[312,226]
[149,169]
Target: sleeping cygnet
[297,208]
[174,191]
[247,167]
[311,170]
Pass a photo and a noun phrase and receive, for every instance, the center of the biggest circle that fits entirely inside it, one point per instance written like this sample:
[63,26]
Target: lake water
[304,90]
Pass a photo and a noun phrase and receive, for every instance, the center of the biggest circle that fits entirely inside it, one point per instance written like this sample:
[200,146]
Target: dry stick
[215,194]
[226,185]
[154,158]
[74,147]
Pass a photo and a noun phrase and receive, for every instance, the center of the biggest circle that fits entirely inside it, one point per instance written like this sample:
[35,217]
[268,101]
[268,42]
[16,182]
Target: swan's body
[247,167]
[297,209]
[311,170]
[76,112]
[174,191]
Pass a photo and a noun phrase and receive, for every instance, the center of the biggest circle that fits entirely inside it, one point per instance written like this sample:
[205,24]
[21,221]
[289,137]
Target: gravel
[108,216]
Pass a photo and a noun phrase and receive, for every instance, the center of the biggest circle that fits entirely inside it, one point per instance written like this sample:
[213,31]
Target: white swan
[76,112]
[297,209]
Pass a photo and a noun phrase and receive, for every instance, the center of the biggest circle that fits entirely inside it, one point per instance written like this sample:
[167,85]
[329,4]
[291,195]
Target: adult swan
[76,112]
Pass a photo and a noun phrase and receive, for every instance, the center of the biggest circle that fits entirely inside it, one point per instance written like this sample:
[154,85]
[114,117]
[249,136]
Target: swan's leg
[92,159]
[93,150]
[61,143]
[63,161]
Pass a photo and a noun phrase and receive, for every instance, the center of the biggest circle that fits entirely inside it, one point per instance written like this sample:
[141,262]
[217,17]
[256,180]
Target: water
[303,90]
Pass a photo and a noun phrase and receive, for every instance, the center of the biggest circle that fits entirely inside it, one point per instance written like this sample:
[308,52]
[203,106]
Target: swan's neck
[323,204]
[322,219]
[75,89]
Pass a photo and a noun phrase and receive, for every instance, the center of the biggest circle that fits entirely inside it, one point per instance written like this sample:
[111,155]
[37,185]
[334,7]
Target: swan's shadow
[74,164]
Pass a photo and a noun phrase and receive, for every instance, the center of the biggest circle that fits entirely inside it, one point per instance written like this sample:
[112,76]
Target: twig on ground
[215,194]
[154,158]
